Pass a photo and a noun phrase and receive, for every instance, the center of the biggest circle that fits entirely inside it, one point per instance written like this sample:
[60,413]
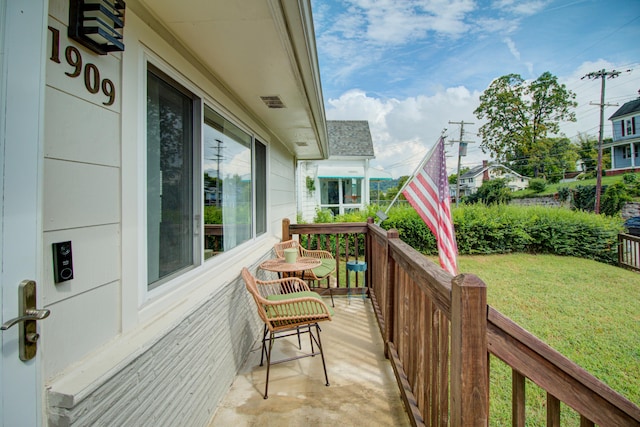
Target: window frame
[341,206]
[195,164]
[198,264]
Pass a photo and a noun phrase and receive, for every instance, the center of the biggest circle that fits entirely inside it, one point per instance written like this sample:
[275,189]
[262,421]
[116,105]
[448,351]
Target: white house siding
[281,197]
[308,201]
[81,203]
[115,354]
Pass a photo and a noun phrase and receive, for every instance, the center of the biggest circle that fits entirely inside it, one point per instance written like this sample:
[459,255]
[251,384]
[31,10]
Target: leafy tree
[587,147]
[614,197]
[537,185]
[391,194]
[551,159]
[520,114]
[491,192]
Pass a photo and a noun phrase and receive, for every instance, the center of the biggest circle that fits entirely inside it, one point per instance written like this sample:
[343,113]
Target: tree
[391,193]
[519,114]
[492,192]
[551,159]
[614,197]
[587,148]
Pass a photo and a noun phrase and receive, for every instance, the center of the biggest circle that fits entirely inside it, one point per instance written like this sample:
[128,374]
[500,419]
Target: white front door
[22,54]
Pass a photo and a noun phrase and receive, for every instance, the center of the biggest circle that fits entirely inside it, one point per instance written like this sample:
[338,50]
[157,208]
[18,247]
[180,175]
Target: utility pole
[602,75]
[461,147]
[218,157]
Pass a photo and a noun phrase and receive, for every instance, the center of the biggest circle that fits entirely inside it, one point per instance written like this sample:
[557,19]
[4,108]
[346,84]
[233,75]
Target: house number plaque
[88,71]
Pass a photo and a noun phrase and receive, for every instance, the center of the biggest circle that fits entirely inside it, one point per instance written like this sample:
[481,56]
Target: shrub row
[501,229]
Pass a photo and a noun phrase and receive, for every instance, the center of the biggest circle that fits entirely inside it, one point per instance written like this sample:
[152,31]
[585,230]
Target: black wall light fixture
[97,24]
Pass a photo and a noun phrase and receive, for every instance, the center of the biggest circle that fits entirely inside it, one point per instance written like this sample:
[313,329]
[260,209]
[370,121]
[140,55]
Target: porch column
[469,362]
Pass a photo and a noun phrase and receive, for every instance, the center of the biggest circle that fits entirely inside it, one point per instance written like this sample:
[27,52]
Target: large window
[227,184]
[225,177]
[340,195]
[171,132]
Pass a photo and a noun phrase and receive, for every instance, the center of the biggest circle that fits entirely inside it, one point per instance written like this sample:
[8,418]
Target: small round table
[280,266]
[354,266]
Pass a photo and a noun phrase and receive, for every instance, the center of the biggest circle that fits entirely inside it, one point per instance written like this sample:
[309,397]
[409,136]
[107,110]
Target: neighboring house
[164,168]
[341,183]
[473,179]
[626,138]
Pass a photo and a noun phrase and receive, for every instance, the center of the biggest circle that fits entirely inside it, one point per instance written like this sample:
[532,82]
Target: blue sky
[411,66]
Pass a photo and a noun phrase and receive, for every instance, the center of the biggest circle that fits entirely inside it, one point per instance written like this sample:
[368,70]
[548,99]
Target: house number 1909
[90,72]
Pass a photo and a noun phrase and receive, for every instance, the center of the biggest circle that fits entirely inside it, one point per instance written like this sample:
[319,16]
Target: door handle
[28,316]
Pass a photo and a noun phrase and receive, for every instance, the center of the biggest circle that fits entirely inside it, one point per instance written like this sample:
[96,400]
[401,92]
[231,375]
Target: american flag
[428,193]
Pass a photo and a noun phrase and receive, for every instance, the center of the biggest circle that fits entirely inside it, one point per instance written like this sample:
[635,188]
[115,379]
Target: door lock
[28,316]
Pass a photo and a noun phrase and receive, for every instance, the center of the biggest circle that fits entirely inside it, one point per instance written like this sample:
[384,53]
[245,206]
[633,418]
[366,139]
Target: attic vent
[273,101]
[302,144]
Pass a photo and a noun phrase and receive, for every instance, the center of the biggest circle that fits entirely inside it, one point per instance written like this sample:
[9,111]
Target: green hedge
[503,229]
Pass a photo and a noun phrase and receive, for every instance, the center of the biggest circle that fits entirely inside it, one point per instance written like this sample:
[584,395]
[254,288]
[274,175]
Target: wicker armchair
[324,271]
[287,307]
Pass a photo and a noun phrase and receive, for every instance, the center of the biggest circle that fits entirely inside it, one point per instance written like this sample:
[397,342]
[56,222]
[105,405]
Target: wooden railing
[439,334]
[629,251]
[346,241]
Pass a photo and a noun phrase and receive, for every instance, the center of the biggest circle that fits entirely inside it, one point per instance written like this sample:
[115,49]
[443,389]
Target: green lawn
[588,311]
[552,189]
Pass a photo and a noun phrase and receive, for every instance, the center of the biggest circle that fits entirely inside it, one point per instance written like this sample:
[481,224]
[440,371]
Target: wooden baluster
[553,411]
[585,422]
[517,399]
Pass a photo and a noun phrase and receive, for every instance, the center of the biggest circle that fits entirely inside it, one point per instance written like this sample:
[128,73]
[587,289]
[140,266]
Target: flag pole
[383,215]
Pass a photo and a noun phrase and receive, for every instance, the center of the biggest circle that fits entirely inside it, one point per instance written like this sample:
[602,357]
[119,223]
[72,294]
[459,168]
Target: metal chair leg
[324,366]
[264,348]
[266,386]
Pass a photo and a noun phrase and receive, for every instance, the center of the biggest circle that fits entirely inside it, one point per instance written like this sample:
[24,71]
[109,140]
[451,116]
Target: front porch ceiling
[257,48]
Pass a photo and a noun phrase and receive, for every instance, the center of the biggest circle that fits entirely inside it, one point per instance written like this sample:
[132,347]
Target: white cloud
[398,21]
[521,8]
[403,130]
[512,47]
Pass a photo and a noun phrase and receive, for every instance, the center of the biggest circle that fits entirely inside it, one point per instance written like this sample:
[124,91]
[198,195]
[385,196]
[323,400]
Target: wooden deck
[363,388]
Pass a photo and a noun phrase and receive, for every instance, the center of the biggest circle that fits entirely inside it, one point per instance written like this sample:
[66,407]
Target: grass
[552,189]
[586,310]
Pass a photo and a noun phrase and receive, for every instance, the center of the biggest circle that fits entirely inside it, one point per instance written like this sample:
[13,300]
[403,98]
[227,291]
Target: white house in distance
[139,175]
[625,144]
[471,180]
[340,183]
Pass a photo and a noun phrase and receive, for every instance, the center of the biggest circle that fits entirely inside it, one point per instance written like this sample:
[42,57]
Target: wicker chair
[317,274]
[287,307]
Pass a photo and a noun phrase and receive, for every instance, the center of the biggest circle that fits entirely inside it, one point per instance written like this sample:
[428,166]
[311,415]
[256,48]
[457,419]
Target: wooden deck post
[469,367]
[286,234]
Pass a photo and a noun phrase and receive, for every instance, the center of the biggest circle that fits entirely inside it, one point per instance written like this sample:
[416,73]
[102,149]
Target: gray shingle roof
[627,108]
[349,138]
[472,173]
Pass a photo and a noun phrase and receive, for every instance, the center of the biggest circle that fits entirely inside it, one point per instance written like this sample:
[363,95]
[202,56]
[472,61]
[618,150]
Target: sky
[409,67]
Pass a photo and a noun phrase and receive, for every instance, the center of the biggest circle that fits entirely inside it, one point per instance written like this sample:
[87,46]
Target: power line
[602,75]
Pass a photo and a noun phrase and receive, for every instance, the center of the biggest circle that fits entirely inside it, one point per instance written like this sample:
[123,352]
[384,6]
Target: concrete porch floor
[362,391]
